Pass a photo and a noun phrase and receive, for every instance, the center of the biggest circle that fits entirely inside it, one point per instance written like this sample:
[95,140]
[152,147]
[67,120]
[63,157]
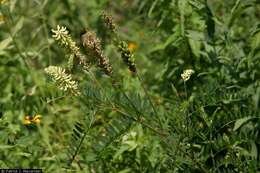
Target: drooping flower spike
[63,81]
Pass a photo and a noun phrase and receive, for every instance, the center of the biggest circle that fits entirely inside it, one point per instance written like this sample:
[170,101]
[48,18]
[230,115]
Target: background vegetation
[154,121]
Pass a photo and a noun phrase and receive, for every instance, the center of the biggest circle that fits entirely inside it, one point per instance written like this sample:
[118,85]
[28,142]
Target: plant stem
[186,113]
[149,98]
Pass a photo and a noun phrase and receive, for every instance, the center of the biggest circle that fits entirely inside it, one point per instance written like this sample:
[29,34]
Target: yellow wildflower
[132,46]
[2,18]
[37,119]
[3,1]
[28,120]
[141,34]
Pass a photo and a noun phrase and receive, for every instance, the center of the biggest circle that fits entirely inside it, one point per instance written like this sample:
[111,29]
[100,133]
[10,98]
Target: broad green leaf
[195,35]
[255,43]
[120,151]
[5,43]
[195,47]
[241,121]
[254,152]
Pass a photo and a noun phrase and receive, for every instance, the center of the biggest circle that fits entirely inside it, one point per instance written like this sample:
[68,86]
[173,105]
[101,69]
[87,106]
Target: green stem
[150,100]
[81,142]
[186,113]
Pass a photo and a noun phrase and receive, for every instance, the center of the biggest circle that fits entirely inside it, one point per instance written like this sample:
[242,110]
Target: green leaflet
[240,122]
[116,127]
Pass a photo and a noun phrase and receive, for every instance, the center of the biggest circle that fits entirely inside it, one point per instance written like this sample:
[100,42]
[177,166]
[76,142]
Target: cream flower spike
[64,81]
[62,36]
[60,33]
[187,74]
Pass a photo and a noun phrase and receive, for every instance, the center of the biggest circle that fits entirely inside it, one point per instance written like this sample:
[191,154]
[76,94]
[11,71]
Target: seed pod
[108,21]
[92,44]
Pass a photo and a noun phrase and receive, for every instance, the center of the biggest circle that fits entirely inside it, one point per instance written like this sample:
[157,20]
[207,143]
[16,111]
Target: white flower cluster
[187,74]
[61,34]
[63,80]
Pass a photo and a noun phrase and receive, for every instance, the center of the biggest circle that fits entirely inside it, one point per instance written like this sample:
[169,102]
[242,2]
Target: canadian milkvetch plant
[123,122]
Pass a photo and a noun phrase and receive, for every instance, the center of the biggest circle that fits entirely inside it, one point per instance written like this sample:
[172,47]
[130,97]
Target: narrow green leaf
[79,127]
[254,152]
[3,147]
[76,133]
[210,22]
[152,8]
[18,26]
[196,4]
[23,154]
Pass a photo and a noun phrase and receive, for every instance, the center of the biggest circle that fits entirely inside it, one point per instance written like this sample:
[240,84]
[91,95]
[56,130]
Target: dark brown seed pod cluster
[127,56]
[108,21]
[92,44]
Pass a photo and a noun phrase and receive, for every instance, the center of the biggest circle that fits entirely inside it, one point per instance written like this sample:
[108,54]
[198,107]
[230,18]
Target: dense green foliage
[132,110]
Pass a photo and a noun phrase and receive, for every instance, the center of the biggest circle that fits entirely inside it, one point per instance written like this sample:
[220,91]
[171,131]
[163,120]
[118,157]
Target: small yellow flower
[132,46]
[141,34]
[37,119]
[28,120]
[3,1]
[2,18]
